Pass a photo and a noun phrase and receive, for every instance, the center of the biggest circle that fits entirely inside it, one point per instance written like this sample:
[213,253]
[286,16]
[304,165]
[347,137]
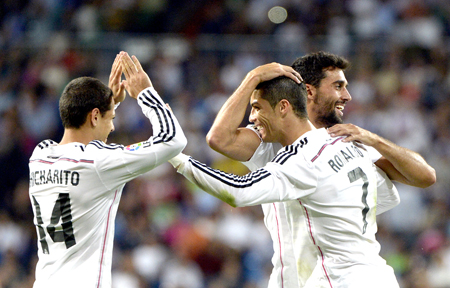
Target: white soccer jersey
[75,191]
[334,188]
[286,272]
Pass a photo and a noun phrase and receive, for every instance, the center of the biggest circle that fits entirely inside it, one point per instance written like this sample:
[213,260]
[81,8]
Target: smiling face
[265,118]
[326,103]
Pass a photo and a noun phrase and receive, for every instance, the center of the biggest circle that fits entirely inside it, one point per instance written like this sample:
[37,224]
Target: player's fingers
[128,64]
[137,63]
[114,67]
[348,139]
[337,132]
[117,68]
[125,70]
[291,73]
[125,85]
[336,128]
[296,74]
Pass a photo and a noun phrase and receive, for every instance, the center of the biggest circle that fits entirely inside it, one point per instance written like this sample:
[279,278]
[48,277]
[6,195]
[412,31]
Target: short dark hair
[281,88]
[312,66]
[80,97]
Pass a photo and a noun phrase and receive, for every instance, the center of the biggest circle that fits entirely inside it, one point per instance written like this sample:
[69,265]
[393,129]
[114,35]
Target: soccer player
[327,95]
[76,184]
[329,184]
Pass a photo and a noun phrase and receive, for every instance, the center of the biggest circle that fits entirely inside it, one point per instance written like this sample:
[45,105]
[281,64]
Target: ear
[311,91]
[284,107]
[94,116]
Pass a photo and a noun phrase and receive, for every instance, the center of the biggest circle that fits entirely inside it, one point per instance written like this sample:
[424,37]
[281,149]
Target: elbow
[214,141]
[178,145]
[396,202]
[429,178]
[426,179]
[182,142]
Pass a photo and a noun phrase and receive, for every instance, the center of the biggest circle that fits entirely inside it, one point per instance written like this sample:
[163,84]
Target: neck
[76,135]
[295,130]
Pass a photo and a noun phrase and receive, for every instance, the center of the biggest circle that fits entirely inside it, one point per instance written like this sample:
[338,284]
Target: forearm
[225,135]
[399,163]
[237,191]
[404,165]
[232,113]
[167,131]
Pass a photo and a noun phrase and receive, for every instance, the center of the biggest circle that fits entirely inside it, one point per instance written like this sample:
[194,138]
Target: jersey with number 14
[75,191]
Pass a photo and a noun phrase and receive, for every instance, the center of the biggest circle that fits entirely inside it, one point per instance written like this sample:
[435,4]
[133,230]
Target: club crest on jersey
[134,147]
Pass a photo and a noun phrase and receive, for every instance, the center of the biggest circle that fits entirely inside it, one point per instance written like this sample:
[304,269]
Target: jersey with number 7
[75,191]
[328,184]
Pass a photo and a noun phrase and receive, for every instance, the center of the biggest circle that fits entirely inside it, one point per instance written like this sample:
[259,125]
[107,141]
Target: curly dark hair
[312,66]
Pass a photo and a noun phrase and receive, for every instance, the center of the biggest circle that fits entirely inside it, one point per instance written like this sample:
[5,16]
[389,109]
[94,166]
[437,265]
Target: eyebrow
[341,82]
[254,102]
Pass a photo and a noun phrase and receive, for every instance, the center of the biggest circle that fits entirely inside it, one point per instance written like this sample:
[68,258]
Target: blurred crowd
[169,233]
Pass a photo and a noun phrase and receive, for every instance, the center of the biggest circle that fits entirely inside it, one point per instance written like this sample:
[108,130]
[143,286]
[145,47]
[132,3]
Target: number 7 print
[354,175]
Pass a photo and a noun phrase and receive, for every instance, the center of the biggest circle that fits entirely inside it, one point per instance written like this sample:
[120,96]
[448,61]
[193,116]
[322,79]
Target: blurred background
[168,232]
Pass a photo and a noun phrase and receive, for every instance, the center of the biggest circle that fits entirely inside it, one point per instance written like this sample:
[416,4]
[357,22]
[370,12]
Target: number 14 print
[61,210]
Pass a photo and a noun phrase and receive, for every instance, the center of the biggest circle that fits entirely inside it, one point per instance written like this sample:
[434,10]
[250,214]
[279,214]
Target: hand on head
[136,78]
[273,70]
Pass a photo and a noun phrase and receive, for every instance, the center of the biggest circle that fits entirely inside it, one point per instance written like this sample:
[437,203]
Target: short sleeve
[373,153]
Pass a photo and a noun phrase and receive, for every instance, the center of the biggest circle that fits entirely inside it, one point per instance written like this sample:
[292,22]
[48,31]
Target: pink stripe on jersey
[104,240]
[323,148]
[62,159]
[314,241]
[279,242]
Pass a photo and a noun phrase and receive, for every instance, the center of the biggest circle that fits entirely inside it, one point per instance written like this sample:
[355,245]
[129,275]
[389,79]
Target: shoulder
[100,145]
[294,156]
[305,147]
[43,145]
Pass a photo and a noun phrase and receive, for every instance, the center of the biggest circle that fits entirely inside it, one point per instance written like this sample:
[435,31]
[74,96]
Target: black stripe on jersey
[101,145]
[160,109]
[289,151]
[231,179]
[46,143]
[323,148]
[164,117]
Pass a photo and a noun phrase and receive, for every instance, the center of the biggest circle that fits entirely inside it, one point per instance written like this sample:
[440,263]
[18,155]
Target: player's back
[341,213]
[74,214]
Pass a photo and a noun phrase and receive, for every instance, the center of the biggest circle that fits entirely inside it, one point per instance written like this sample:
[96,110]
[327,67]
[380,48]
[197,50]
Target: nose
[346,95]
[112,128]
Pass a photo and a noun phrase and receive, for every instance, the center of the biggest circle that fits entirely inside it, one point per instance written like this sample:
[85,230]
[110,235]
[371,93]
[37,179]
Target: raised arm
[168,138]
[225,135]
[400,164]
